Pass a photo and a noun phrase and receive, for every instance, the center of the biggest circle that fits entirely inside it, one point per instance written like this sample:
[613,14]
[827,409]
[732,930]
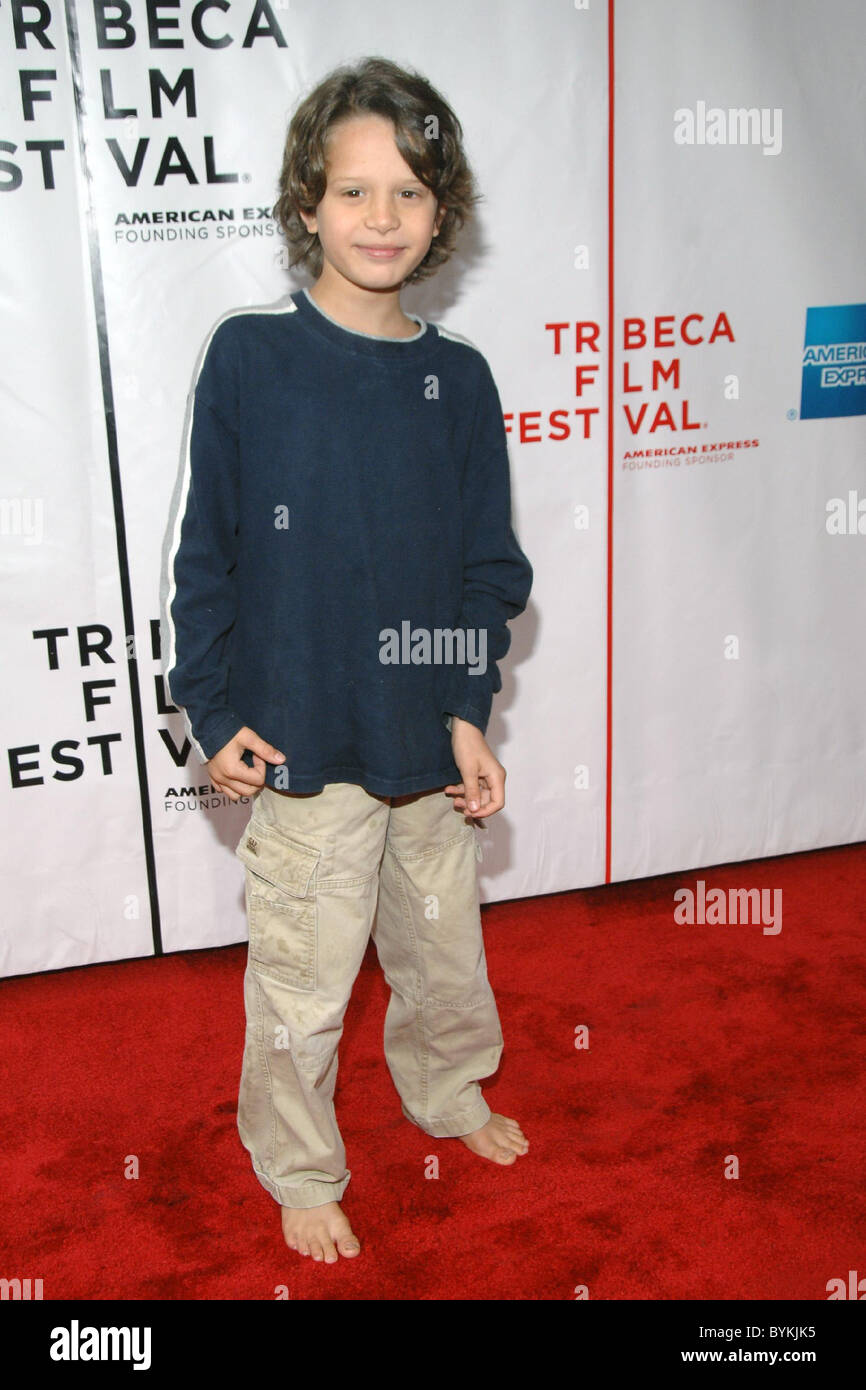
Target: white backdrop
[721,715]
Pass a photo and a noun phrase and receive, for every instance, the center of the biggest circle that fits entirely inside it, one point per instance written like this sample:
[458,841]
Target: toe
[316,1250]
[349,1245]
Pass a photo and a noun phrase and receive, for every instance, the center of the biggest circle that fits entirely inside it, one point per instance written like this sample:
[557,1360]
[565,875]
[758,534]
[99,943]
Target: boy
[344,492]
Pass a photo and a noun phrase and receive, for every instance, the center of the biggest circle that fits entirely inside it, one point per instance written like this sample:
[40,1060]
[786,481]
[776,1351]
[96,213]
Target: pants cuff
[307,1194]
[451,1127]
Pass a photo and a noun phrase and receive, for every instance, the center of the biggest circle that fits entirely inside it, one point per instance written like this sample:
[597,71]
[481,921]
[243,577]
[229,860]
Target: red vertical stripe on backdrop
[610,333]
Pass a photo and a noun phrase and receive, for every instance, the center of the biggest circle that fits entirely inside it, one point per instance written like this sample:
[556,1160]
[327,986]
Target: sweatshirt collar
[364,344]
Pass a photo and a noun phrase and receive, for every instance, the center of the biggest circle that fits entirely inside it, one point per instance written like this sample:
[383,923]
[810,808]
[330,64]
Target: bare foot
[500,1139]
[317,1231]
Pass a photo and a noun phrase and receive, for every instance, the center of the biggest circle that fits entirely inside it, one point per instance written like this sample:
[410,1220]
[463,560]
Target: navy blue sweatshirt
[339,565]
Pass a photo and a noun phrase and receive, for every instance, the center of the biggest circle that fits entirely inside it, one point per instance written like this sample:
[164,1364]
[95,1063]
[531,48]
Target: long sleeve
[198,597]
[497,576]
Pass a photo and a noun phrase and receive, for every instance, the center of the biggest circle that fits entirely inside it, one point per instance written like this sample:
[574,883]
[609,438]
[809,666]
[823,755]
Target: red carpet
[705,1041]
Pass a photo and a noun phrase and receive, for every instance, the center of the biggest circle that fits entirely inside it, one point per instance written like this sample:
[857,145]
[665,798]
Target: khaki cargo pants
[324,870]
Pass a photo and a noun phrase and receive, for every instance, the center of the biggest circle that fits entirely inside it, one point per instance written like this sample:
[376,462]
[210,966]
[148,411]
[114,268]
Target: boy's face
[376,219]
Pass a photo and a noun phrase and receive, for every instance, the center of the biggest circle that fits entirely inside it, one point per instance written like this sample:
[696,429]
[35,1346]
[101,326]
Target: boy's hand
[232,776]
[482,791]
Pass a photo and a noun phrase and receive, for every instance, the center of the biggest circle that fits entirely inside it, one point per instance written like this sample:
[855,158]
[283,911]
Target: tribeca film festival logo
[441,646]
[85,660]
[653,404]
[834,362]
[39,154]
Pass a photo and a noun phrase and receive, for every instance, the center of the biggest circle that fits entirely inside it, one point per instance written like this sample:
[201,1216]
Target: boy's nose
[382,215]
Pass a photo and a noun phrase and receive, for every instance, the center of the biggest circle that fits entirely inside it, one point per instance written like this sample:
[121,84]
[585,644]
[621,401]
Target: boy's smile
[375,223]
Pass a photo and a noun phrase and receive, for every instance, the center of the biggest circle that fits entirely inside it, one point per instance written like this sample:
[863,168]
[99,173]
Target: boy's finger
[228,789]
[473,797]
[265,750]
[237,775]
[456,790]
[496,795]
[242,786]
[490,810]
[243,776]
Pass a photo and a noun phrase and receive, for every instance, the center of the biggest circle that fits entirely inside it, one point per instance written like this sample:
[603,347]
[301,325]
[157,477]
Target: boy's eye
[413,193]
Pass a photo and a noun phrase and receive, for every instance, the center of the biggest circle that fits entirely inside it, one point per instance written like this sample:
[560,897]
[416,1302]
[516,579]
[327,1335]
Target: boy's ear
[308,219]
[437,221]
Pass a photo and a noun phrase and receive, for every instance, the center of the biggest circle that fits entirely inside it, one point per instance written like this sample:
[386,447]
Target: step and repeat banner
[666,276]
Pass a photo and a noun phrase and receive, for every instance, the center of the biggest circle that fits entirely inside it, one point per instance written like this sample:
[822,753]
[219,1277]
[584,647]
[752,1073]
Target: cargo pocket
[281,905]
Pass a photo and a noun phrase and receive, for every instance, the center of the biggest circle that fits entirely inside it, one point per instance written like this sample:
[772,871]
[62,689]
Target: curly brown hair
[380,87]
